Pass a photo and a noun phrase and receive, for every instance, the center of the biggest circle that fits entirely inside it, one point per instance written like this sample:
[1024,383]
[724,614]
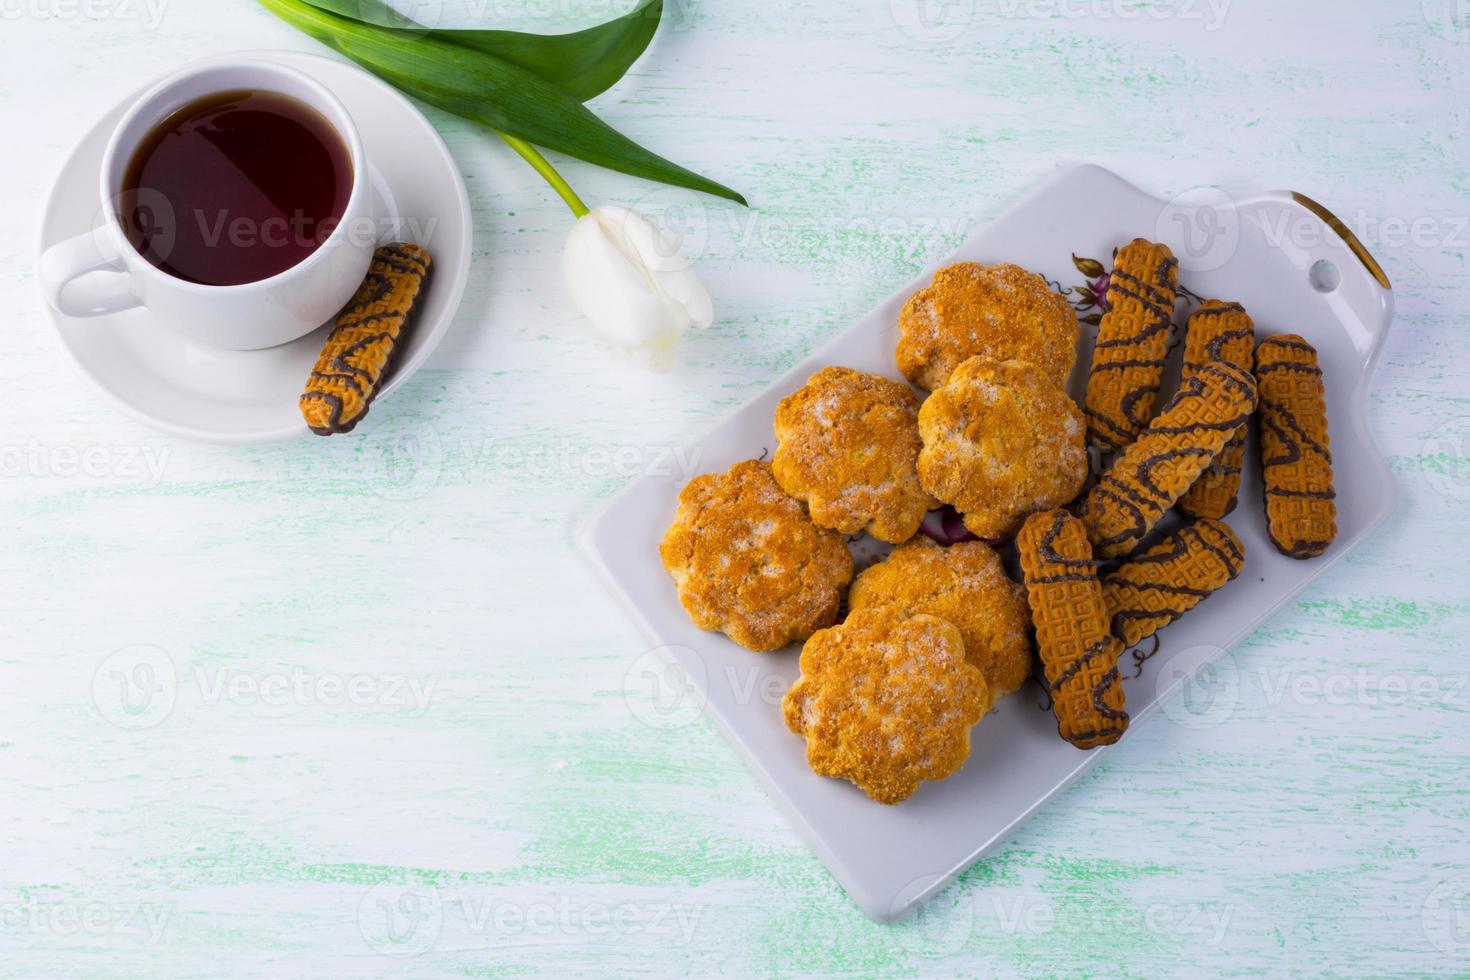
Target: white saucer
[186,389]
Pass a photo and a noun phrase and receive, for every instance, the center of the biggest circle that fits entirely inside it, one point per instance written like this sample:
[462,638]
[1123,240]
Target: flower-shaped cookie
[886,701]
[1000,312]
[849,443]
[749,562]
[964,584]
[1001,440]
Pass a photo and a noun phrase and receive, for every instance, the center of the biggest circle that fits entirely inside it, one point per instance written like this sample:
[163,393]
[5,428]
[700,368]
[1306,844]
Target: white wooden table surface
[405,733]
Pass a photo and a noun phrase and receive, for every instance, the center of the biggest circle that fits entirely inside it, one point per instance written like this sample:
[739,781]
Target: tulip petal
[628,279]
[670,271]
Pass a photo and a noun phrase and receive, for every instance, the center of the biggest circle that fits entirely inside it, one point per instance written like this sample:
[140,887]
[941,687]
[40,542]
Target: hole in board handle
[1324,276]
[1364,256]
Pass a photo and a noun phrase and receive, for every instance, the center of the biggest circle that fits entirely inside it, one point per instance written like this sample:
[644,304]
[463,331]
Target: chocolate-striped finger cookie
[1296,457]
[1078,653]
[1132,339]
[1155,588]
[1217,332]
[364,340]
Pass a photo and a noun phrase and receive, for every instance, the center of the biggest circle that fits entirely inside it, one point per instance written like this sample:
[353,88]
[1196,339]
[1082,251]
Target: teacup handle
[67,261]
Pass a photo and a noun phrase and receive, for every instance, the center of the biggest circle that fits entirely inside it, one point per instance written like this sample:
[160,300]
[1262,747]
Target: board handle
[1348,238]
[1335,262]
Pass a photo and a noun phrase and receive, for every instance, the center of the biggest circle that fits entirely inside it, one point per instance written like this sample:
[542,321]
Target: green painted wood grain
[1306,833]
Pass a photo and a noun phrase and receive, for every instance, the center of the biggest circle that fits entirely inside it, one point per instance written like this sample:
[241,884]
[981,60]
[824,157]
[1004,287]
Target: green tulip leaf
[491,91]
[583,64]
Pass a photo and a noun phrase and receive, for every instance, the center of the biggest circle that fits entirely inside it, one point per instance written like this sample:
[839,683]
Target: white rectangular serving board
[1259,250]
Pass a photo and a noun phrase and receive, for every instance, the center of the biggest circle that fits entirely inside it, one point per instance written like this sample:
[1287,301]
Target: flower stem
[540,164]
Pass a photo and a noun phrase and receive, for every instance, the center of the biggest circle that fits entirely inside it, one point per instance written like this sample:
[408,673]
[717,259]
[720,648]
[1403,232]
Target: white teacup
[238,317]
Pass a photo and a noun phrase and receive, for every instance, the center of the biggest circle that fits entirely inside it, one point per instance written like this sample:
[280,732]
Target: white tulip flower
[628,279]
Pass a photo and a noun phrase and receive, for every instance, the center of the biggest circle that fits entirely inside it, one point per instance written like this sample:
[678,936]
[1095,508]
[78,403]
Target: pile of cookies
[936,633]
